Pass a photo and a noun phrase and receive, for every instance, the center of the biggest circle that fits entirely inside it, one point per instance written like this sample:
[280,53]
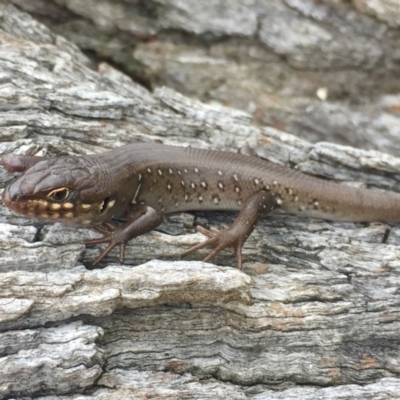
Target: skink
[142,182]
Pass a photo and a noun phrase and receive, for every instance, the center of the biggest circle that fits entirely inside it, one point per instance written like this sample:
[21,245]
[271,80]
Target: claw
[206,232]
[256,205]
[108,230]
[103,253]
[122,252]
[220,239]
[143,219]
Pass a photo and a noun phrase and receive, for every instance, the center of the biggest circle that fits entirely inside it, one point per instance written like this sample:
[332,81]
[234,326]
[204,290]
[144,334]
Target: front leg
[255,206]
[141,219]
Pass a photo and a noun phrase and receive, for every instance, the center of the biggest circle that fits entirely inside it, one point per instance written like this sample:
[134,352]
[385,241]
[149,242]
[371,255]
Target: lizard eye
[59,194]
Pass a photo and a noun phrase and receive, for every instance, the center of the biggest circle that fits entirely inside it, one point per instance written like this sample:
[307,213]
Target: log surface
[315,312]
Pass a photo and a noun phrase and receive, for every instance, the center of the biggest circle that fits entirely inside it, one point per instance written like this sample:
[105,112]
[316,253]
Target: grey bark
[314,313]
[325,70]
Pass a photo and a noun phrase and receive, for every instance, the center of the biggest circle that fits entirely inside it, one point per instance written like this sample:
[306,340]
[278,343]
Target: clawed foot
[256,205]
[220,240]
[141,219]
[109,231]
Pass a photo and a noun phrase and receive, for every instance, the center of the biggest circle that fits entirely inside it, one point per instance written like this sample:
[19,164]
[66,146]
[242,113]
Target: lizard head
[64,189]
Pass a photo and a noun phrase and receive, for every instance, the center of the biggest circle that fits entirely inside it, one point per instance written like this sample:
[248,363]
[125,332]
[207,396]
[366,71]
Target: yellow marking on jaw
[68,206]
[55,206]
[86,206]
[55,215]
[69,215]
[42,203]
[34,204]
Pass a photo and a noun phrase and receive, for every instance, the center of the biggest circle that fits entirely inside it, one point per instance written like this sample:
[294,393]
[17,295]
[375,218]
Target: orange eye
[59,195]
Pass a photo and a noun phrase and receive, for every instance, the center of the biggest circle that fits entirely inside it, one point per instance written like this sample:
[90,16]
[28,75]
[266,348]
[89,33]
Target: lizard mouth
[42,209]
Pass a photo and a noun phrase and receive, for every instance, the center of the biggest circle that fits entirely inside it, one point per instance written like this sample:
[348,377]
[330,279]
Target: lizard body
[144,181]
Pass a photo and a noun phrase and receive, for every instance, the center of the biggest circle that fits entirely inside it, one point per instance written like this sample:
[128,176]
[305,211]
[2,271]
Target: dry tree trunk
[315,312]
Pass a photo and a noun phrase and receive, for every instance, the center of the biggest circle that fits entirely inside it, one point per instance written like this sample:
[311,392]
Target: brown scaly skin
[142,182]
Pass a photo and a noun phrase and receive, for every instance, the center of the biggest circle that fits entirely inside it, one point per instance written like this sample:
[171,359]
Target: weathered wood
[322,70]
[313,314]
[51,360]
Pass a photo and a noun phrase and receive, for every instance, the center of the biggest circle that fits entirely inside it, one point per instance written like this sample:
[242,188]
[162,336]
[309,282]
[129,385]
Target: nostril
[10,194]
[5,196]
